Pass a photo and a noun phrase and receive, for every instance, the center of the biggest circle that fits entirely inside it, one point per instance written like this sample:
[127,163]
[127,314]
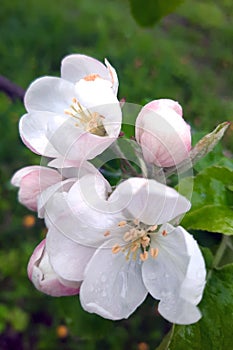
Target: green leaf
[214,330]
[210,218]
[212,200]
[146,13]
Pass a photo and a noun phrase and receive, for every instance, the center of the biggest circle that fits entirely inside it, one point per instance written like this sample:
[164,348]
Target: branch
[12,90]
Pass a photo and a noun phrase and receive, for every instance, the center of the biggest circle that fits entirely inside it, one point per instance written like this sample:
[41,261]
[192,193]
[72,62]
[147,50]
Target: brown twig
[11,89]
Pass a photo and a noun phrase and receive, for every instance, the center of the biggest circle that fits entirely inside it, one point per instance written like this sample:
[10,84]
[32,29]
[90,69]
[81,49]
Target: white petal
[193,286]
[149,201]
[75,144]
[164,275]
[67,258]
[176,276]
[75,67]
[179,311]
[61,186]
[33,131]
[49,94]
[113,76]
[112,287]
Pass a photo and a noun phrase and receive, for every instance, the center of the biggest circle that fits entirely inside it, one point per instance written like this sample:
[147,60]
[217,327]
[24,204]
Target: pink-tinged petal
[163,134]
[149,201]
[33,132]
[49,94]
[112,287]
[32,181]
[68,259]
[77,144]
[44,278]
[75,67]
[157,104]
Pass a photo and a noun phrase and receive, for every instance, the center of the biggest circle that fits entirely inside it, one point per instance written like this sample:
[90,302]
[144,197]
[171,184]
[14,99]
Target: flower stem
[116,149]
[219,254]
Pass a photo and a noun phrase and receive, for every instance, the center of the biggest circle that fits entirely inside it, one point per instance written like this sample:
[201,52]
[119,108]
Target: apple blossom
[44,278]
[77,116]
[125,247]
[38,183]
[163,134]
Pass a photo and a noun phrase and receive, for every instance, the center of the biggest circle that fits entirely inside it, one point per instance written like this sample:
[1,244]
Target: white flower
[129,247]
[77,116]
[163,134]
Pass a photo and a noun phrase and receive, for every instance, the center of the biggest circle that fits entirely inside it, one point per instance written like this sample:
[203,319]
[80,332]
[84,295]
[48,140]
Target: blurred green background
[187,57]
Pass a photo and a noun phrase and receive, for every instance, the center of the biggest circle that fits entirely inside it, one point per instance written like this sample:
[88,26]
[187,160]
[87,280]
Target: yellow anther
[134,247]
[122,223]
[67,111]
[106,234]
[127,236]
[136,222]
[154,252]
[152,228]
[164,233]
[116,248]
[145,241]
[144,256]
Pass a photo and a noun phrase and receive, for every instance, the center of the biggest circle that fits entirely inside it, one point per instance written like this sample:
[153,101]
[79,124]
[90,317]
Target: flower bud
[163,134]
[44,278]
[32,180]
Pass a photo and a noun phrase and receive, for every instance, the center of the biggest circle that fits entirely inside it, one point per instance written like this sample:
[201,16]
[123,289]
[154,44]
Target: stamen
[134,247]
[145,241]
[152,228]
[136,222]
[106,234]
[116,248]
[154,252]
[144,256]
[122,223]
[164,233]
[127,236]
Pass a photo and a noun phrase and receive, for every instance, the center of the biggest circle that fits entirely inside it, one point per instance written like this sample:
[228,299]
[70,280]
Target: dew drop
[103,278]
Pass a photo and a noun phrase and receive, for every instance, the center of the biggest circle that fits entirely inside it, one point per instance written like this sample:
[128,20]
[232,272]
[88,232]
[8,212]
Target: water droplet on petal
[103,278]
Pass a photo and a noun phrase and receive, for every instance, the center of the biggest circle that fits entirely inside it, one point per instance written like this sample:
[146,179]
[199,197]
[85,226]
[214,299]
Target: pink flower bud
[163,134]
[42,275]
[32,180]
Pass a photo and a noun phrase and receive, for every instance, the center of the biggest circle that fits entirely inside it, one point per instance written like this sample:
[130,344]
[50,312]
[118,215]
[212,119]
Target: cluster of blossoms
[110,246]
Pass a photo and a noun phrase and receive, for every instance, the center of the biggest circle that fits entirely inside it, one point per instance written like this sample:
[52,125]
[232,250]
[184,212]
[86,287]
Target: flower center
[138,239]
[89,121]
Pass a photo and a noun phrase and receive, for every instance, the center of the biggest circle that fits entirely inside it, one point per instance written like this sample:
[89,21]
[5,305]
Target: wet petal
[112,287]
